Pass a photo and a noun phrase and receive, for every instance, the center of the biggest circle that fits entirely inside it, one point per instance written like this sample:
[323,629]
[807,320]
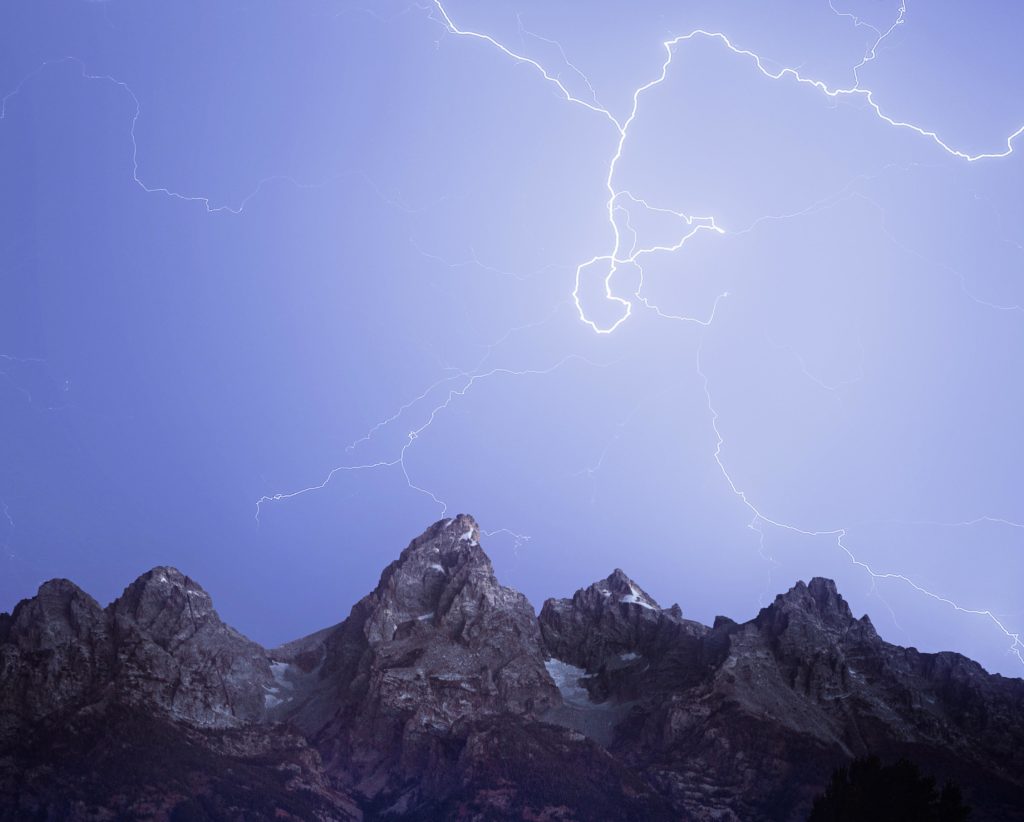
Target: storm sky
[726,294]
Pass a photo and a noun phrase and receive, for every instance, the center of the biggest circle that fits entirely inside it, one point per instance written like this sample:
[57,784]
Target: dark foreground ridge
[444,696]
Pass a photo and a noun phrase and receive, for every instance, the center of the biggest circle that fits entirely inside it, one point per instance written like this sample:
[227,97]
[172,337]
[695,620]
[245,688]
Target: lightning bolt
[591,471]
[624,249]
[832,387]
[613,257]
[1016,647]
[398,461]
[10,359]
[206,202]
[616,257]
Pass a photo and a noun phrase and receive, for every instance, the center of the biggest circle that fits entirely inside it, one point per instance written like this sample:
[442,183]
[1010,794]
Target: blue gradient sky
[247,243]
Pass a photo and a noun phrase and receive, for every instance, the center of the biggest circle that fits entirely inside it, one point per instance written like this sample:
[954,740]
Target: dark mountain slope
[442,695]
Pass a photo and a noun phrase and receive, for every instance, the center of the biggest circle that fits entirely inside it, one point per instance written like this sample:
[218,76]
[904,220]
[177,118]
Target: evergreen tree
[868,791]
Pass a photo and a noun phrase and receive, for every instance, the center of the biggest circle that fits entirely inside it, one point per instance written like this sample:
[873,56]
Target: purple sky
[344,255]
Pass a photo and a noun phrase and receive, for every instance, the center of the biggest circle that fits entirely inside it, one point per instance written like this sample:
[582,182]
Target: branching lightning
[469,381]
[616,256]
[613,258]
[831,387]
[205,201]
[839,535]
[623,249]
[10,359]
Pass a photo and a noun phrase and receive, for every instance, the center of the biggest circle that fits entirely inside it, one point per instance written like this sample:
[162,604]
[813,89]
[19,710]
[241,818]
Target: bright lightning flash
[617,256]
[620,252]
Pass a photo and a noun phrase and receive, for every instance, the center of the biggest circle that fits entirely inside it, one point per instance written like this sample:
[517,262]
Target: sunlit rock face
[443,695]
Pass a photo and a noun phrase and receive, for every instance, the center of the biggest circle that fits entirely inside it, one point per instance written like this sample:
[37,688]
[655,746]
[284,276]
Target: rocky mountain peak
[612,619]
[818,602]
[443,695]
[53,647]
[59,588]
[827,598]
[442,569]
[163,583]
[174,654]
[621,588]
[437,645]
[165,604]
[452,536]
[60,607]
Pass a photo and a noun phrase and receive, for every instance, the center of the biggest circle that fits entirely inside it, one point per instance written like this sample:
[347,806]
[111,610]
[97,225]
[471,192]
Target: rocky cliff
[443,695]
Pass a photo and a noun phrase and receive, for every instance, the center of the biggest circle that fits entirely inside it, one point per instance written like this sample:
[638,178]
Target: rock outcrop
[147,705]
[443,695]
[746,721]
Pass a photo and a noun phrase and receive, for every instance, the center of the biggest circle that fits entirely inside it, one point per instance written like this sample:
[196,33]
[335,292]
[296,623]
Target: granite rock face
[173,654]
[443,695]
[746,721]
[626,642]
[54,650]
[438,643]
[151,703]
[159,646]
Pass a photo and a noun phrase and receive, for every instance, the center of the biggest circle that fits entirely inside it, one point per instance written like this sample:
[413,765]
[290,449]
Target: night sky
[727,294]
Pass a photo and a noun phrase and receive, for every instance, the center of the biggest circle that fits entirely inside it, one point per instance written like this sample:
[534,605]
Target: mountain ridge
[444,694]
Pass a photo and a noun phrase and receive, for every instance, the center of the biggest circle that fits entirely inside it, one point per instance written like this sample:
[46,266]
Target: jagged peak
[59,586]
[162,582]
[460,528]
[622,588]
[424,581]
[447,543]
[53,601]
[827,597]
[822,586]
[820,597]
[163,599]
[62,591]
[617,580]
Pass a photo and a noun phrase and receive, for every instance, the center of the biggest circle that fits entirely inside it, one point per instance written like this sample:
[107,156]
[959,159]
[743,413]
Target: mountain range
[444,695]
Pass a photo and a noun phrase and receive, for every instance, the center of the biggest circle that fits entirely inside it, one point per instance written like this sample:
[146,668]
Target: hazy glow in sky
[724,293]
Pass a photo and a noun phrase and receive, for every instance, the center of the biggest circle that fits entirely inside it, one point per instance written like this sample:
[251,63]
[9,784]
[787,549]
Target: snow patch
[271,697]
[637,597]
[567,679]
[635,600]
[279,670]
[467,536]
